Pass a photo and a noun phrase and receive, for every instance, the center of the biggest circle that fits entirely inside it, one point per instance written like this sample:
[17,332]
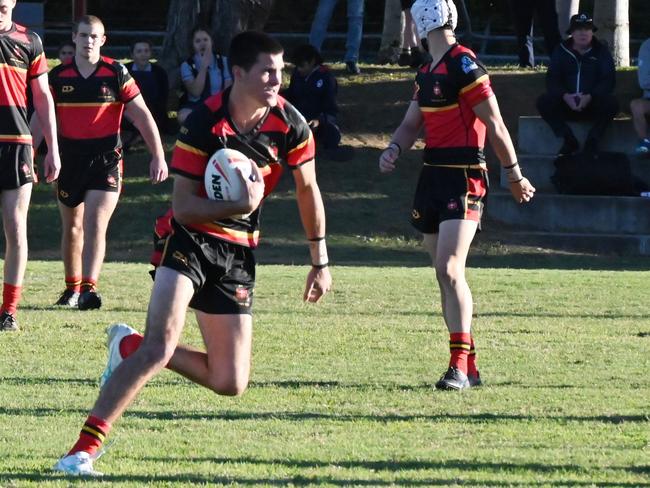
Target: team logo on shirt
[67,88]
[437,91]
[106,93]
[415,214]
[242,296]
[452,205]
[319,84]
[467,64]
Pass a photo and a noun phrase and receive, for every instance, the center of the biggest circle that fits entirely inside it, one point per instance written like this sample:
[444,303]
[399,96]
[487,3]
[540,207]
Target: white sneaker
[77,464]
[115,333]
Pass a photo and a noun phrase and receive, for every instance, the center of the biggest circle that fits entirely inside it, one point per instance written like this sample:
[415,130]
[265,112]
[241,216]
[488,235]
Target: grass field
[342,393]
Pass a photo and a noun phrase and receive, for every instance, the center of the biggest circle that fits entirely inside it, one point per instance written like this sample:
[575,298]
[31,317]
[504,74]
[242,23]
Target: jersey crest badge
[467,64]
[319,84]
[437,91]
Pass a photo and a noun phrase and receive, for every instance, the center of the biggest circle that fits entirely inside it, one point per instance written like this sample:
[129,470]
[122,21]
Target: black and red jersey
[282,137]
[446,94]
[21,60]
[89,110]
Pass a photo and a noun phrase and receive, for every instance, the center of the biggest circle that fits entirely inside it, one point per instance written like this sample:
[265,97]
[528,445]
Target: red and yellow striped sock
[92,436]
[459,346]
[472,370]
[73,283]
[10,298]
[88,284]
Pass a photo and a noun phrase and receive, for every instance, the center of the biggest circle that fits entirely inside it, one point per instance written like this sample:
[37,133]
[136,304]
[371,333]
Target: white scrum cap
[433,14]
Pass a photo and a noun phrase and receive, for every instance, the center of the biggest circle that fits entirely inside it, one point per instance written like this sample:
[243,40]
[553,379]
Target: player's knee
[229,386]
[448,271]
[155,354]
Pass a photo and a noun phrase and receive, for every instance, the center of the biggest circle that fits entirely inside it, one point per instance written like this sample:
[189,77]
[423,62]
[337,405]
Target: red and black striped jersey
[89,110]
[446,94]
[281,138]
[21,60]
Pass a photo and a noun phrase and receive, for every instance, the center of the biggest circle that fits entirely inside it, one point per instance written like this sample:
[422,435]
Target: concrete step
[621,244]
[573,214]
[539,168]
[536,137]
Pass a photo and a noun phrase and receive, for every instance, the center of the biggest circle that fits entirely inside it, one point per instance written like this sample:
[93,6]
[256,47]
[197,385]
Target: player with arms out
[22,65]
[91,93]
[208,263]
[455,104]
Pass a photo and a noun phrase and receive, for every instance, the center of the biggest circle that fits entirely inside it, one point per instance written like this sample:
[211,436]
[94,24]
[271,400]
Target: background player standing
[208,263]
[455,104]
[23,65]
[91,93]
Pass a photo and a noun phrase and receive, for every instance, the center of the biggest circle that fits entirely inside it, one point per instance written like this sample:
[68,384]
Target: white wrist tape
[318,252]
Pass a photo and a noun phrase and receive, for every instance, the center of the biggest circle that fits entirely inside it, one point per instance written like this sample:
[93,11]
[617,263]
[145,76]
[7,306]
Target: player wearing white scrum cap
[455,105]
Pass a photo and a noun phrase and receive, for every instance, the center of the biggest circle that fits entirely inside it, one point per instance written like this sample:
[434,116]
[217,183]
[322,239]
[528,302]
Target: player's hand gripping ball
[225,174]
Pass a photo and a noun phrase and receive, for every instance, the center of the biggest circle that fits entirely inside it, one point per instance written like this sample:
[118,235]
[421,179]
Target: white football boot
[78,464]
[115,333]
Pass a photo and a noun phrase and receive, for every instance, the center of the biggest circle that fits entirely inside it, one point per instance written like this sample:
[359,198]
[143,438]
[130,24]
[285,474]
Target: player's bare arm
[138,113]
[312,215]
[189,208]
[44,107]
[403,138]
[488,112]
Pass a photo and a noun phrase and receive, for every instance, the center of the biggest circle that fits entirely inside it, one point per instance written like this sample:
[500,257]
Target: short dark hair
[247,46]
[141,41]
[306,53]
[88,20]
[66,44]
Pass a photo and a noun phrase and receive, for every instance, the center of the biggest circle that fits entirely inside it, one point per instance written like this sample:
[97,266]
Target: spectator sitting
[355,30]
[580,85]
[641,106]
[312,90]
[203,74]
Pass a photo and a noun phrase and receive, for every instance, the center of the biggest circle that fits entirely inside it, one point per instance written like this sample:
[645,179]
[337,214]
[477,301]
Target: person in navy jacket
[580,85]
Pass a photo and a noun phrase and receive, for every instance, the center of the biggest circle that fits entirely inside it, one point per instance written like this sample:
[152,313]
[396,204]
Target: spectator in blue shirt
[203,74]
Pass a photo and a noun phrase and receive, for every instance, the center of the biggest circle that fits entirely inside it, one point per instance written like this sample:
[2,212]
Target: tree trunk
[565,9]
[391,36]
[612,19]
[224,19]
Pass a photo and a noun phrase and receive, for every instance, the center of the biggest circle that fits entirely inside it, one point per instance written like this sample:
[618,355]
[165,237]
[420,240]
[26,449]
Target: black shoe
[570,146]
[352,67]
[404,58]
[89,300]
[453,379]
[474,380]
[8,322]
[68,298]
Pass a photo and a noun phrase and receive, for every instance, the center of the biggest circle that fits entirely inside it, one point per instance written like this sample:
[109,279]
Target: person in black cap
[580,85]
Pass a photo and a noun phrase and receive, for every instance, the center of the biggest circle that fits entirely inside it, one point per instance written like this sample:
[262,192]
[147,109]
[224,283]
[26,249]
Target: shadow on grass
[333,417]
[386,468]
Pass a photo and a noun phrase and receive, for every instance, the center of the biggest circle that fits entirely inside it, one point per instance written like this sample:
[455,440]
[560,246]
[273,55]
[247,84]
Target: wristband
[318,253]
[513,173]
[399,148]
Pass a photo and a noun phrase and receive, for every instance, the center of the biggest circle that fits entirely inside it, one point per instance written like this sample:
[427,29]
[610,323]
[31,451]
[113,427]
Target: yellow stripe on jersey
[188,148]
[237,234]
[301,145]
[15,68]
[87,104]
[480,80]
[439,109]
